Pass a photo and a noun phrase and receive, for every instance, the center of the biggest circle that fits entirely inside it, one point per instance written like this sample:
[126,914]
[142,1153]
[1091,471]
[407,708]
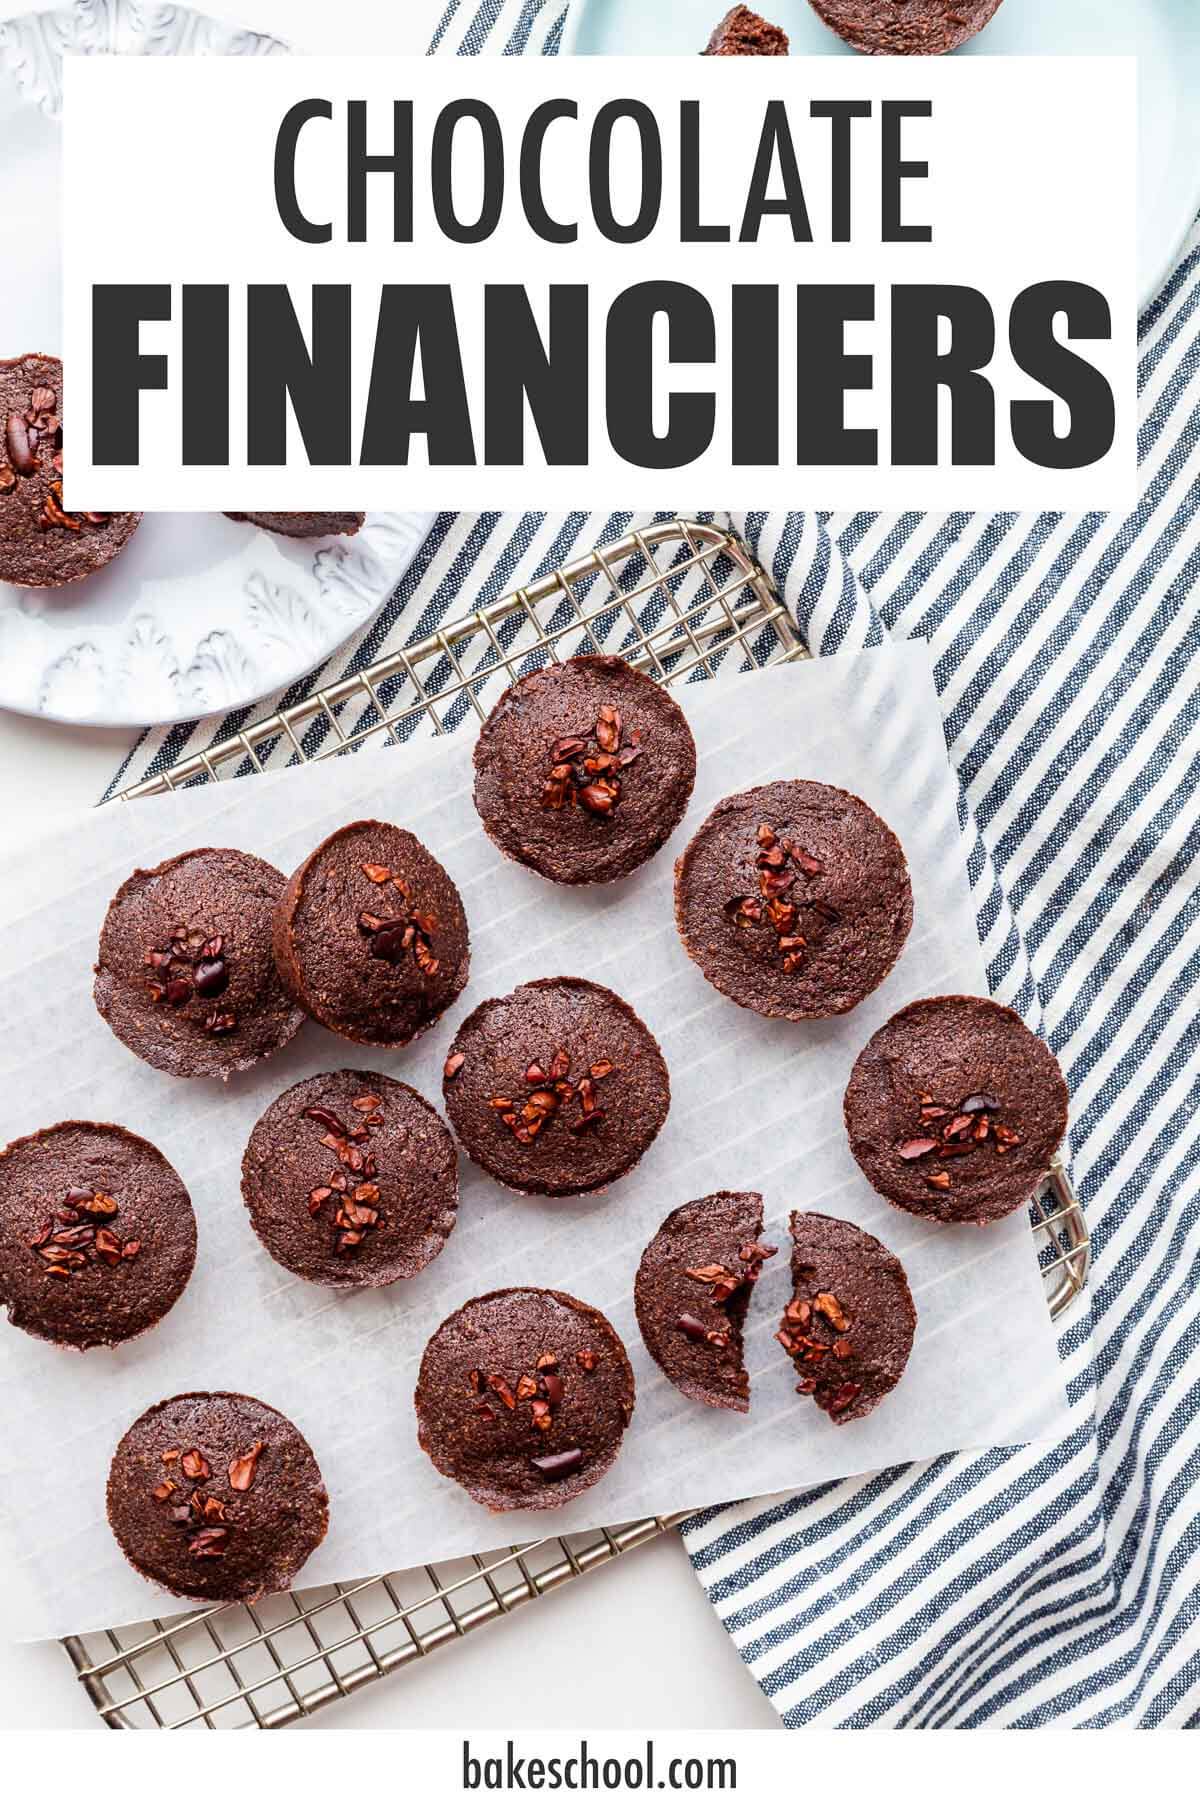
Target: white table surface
[647,1648]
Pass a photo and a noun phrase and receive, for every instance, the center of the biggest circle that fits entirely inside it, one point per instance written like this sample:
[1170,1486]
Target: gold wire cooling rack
[682,601]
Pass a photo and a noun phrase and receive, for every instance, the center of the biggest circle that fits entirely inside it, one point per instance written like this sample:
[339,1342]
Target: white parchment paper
[755,1104]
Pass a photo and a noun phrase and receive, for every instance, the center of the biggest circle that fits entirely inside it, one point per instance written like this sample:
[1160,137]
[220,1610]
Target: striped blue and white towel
[1017,1587]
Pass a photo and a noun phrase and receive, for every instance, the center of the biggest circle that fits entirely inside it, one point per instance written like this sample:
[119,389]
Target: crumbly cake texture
[906,27]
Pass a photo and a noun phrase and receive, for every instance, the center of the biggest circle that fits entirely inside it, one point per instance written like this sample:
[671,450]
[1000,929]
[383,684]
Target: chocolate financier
[584,769]
[850,1322]
[906,27]
[303,525]
[370,936]
[556,1088]
[745,33]
[793,899]
[41,543]
[692,1290]
[351,1179]
[523,1398]
[216,1497]
[954,1109]
[185,976]
[97,1234]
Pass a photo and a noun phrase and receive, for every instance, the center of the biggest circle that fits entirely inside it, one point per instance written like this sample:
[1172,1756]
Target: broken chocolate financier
[955,1109]
[216,1497]
[905,27]
[692,1292]
[745,33]
[523,1398]
[850,1322]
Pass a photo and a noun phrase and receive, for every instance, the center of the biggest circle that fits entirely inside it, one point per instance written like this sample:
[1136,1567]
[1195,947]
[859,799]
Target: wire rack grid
[682,600]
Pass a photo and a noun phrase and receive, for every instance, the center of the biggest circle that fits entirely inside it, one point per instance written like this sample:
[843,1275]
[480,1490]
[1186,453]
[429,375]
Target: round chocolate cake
[793,899]
[523,1398]
[692,1291]
[41,543]
[955,1109]
[351,1179]
[370,936]
[303,525]
[584,769]
[556,1088]
[185,975]
[849,1325]
[906,27]
[97,1234]
[216,1497]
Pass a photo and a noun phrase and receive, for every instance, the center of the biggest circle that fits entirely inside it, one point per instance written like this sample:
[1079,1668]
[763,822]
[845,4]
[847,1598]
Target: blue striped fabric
[1014,1587]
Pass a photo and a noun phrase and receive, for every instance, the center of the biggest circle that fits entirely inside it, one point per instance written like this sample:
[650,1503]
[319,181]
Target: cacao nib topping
[948,1132]
[205,1517]
[586,768]
[552,1095]
[779,904]
[64,1245]
[357,1211]
[553,1468]
[396,936]
[243,1469]
[813,1332]
[193,965]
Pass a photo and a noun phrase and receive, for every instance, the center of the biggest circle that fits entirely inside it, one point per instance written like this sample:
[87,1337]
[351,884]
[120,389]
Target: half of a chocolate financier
[41,543]
[793,899]
[745,33]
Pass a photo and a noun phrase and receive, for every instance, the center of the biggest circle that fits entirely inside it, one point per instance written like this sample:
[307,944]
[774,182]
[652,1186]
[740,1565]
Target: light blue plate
[1164,34]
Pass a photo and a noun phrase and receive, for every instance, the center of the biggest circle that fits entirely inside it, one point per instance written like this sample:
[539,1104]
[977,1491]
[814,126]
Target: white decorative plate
[1164,35]
[199,614]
